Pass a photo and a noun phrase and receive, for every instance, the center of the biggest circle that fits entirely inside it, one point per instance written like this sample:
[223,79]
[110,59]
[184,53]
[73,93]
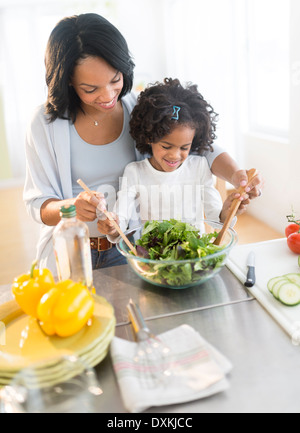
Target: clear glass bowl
[191,272]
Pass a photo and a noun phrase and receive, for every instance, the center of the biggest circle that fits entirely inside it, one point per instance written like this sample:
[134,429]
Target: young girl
[173,125]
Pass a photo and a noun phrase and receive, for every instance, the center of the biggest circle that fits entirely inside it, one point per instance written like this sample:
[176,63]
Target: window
[268,66]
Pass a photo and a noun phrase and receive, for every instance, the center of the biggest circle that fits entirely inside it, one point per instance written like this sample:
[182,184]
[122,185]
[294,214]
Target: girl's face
[173,149]
[97,84]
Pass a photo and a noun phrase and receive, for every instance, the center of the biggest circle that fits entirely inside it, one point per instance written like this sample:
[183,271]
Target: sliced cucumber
[294,278]
[289,294]
[274,281]
[286,288]
[278,285]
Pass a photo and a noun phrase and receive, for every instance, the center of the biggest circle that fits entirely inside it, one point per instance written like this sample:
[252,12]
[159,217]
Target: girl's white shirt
[187,194]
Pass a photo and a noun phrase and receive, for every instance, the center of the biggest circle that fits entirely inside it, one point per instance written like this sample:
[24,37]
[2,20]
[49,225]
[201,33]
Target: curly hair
[73,39]
[152,117]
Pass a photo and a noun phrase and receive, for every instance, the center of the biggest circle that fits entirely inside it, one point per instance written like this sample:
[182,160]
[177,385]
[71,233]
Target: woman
[83,132]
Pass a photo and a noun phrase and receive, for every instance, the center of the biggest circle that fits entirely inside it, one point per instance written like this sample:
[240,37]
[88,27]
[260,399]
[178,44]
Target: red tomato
[291,228]
[293,242]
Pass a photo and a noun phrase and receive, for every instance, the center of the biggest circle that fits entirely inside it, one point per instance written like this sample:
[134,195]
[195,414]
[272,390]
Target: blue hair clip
[176,112]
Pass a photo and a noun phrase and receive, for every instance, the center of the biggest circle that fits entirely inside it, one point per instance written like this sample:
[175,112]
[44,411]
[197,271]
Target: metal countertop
[266,365]
[118,284]
[265,377]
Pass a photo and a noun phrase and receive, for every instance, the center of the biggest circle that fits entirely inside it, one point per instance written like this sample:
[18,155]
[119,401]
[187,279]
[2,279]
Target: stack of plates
[23,344]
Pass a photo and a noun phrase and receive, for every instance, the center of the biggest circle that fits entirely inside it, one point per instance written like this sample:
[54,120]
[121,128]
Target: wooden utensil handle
[234,207]
[251,174]
[123,236]
[236,202]
[107,214]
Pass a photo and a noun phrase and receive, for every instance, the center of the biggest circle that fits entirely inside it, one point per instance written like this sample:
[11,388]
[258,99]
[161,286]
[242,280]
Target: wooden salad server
[107,214]
[234,207]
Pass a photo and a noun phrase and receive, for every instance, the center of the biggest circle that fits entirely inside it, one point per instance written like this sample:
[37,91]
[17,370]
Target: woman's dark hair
[153,116]
[73,39]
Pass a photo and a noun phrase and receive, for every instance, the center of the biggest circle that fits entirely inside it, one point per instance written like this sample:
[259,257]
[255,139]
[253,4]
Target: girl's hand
[106,227]
[244,199]
[254,190]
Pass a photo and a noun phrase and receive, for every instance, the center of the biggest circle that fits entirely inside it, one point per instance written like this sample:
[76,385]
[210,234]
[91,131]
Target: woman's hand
[86,205]
[254,190]
[226,168]
[244,199]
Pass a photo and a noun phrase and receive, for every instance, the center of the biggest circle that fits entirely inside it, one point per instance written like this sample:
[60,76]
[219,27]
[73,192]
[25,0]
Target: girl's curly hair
[151,118]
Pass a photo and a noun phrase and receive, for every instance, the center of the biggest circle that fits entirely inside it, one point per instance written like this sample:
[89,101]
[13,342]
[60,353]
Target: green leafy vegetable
[178,241]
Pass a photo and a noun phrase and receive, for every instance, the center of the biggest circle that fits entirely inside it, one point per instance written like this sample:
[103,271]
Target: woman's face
[97,84]
[173,149]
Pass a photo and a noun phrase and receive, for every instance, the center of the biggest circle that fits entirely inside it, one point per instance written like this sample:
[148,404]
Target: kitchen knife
[250,280]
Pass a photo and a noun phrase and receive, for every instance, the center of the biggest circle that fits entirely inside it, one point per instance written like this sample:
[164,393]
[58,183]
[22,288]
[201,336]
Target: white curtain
[21,82]
[24,31]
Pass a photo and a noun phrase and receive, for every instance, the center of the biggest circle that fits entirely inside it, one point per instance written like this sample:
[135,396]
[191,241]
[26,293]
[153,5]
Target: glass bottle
[72,248]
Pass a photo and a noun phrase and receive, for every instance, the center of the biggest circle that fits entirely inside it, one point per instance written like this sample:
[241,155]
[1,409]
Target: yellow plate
[52,366]
[46,374]
[50,375]
[25,343]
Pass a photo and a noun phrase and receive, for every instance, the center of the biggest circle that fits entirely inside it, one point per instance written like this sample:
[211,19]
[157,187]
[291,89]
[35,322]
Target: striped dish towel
[192,370]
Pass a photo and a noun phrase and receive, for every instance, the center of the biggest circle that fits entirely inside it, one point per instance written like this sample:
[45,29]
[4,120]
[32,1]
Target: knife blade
[250,279]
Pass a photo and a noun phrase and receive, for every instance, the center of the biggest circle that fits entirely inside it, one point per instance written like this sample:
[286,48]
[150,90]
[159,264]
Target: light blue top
[101,167]
[94,163]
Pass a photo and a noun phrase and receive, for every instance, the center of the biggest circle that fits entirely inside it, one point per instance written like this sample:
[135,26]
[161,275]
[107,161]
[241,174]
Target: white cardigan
[48,172]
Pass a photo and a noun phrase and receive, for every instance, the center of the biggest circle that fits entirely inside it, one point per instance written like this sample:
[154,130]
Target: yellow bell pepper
[65,309]
[29,288]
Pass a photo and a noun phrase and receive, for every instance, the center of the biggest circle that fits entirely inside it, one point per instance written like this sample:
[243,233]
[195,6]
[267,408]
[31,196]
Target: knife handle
[250,280]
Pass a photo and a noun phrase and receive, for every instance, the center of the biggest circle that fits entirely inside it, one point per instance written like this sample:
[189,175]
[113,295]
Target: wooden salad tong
[234,207]
[123,236]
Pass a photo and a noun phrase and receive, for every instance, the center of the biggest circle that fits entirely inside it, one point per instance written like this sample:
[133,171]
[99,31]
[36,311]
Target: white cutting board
[272,259]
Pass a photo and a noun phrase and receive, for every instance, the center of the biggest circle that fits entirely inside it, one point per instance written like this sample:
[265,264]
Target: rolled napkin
[198,370]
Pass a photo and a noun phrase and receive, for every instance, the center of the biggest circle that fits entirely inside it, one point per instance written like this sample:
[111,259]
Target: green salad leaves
[178,241]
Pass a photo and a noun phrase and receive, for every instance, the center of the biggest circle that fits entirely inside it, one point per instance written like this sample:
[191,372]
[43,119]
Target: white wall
[143,30]
[279,161]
